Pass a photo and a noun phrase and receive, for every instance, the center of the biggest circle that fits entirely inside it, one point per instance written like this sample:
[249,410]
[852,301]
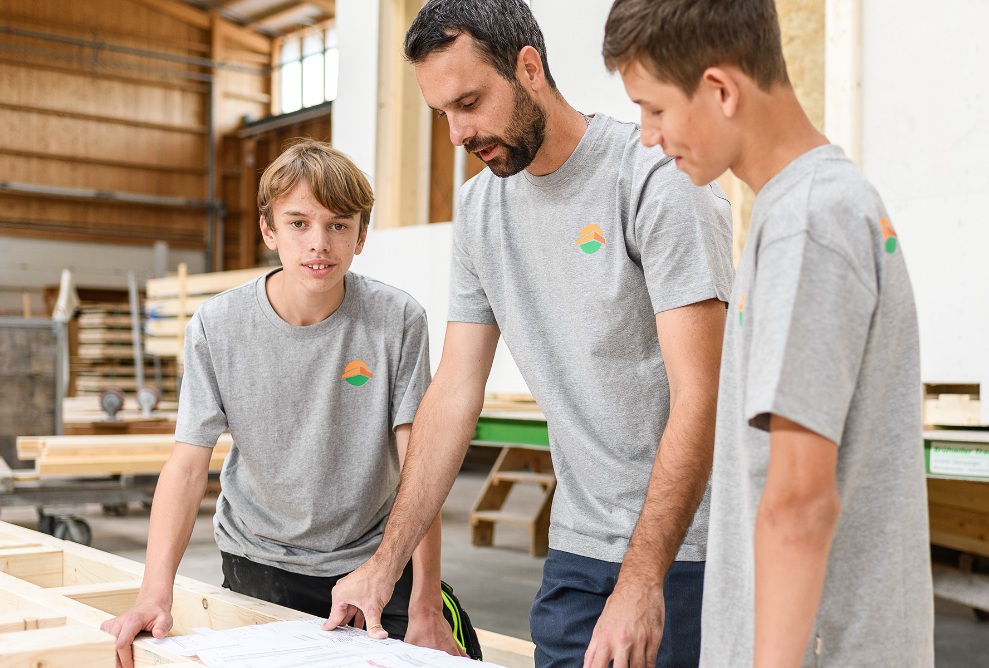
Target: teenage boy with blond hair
[317,372]
[818,552]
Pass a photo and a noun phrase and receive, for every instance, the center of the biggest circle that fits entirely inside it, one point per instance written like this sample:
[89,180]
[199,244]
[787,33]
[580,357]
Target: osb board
[802,30]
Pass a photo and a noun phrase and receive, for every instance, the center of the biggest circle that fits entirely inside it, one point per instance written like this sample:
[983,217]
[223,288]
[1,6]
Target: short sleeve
[811,315]
[468,301]
[413,372]
[684,238]
[201,417]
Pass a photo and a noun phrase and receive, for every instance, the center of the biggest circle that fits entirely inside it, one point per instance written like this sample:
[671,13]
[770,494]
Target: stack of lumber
[105,355]
[48,580]
[171,302]
[139,454]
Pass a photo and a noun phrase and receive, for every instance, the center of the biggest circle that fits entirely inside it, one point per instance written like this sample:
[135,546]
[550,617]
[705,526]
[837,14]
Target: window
[308,68]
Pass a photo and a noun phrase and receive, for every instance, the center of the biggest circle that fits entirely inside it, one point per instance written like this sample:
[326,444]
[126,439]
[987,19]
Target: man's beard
[527,132]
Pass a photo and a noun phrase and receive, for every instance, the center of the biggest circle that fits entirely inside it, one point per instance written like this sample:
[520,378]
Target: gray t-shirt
[822,330]
[573,267]
[314,468]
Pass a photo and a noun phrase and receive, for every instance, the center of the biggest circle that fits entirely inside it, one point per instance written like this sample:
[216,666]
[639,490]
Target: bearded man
[607,272]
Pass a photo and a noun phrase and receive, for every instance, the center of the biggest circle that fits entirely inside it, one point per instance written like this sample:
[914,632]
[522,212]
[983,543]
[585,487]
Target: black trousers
[309,593]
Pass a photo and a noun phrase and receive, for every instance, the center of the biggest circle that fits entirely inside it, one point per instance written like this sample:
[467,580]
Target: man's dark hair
[500,29]
[676,40]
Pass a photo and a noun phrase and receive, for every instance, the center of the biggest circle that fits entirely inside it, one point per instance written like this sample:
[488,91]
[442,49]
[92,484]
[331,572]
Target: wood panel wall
[118,96]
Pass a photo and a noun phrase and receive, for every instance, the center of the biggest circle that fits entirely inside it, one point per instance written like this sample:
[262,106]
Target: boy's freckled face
[315,245]
[683,126]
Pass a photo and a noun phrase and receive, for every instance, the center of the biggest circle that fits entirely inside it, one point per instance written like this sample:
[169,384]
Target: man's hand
[144,616]
[629,629]
[361,596]
[430,629]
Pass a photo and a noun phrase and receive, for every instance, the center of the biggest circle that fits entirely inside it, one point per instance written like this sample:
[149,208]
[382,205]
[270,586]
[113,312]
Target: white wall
[925,146]
[417,260]
[355,111]
[28,265]
[574,32]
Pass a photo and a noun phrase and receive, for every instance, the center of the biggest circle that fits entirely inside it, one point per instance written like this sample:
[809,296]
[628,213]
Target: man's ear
[724,85]
[529,68]
[267,234]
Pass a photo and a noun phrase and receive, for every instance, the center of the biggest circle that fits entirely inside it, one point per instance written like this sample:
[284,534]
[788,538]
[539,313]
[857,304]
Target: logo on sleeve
[591,239]
[741,310]
[889,235]
[357,373]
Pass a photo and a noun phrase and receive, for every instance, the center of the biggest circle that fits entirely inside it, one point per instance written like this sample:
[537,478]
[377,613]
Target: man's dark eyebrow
[458,99]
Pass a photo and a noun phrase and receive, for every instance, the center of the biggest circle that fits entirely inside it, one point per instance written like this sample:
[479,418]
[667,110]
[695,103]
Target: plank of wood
[100,383]
[202,284]
[79,570]
[64,647]
[105,336]
[102,320]
[105,351]
[506,650]
[40,565]
[112,598]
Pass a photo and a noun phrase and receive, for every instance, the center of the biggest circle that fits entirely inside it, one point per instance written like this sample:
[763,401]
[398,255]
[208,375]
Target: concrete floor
[495,584]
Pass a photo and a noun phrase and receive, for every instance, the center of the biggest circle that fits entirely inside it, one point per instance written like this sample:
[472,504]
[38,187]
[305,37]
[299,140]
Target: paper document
[301,644]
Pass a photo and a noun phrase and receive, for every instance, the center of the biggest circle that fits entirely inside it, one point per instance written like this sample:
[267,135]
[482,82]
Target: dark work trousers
[309,593]
[572,597]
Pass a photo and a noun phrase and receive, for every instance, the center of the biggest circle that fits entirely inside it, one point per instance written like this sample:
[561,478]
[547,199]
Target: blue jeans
[572,597]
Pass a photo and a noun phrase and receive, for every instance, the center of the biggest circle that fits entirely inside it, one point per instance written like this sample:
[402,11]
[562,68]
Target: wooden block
[953,410]
[41,566]
[66,647]
[28,618]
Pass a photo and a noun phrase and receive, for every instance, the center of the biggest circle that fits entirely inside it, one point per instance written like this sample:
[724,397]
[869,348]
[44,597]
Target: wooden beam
[178,10]
[243,36]
[66,647]
[202,284]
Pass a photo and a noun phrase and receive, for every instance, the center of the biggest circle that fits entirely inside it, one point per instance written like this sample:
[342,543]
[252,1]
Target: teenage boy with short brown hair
[818,550]
[317,372]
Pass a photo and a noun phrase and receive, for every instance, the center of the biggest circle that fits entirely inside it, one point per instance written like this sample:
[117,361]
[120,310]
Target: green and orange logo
[889,235]
[741,310]
[357,373]
[591,239]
